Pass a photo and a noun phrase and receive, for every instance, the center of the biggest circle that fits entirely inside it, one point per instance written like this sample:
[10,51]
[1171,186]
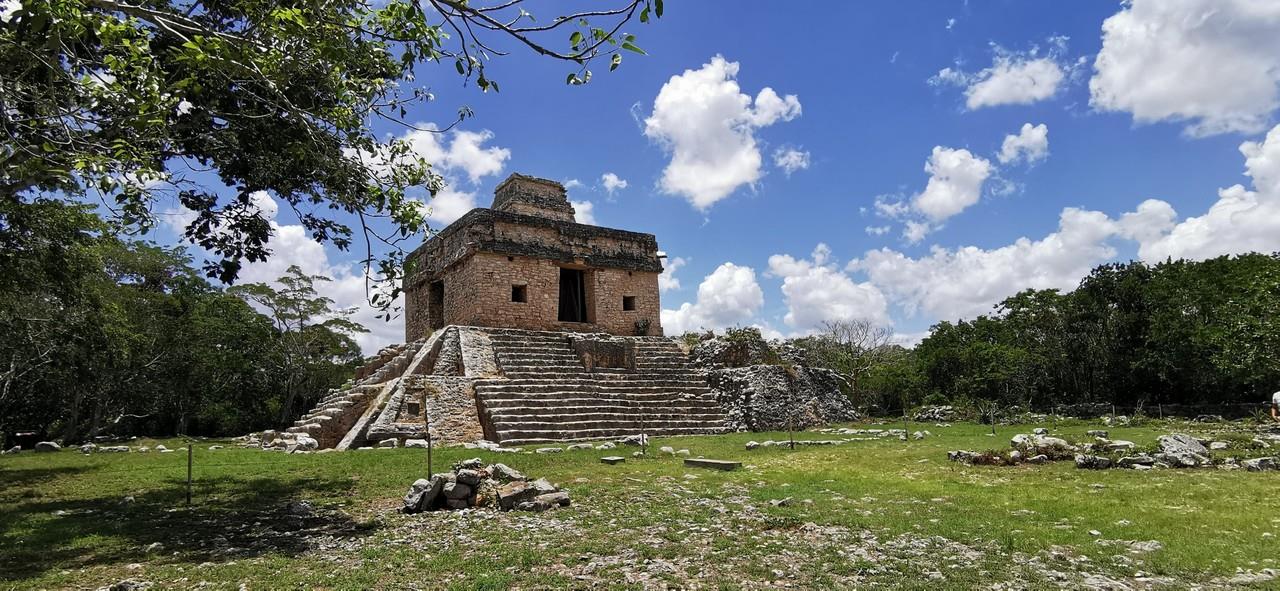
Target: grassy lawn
[883,514]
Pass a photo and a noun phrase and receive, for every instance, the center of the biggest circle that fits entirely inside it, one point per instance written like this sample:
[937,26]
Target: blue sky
[1123,103]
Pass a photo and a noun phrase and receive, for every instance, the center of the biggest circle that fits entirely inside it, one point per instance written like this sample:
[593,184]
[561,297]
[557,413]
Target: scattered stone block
[1259,464]
[752,444]
[512,494]
[387,444]
[612,460]
[415,443]
[725,465]
[1089,462]
[634,440]
[47,447]
[422,494]
[505,473]
[1217,445]
[578,446]
[549,450]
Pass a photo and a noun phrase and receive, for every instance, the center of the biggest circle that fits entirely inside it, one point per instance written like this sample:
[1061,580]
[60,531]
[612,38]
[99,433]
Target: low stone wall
[768,397]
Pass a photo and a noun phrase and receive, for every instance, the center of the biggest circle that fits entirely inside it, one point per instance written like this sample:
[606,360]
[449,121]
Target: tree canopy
[125,101]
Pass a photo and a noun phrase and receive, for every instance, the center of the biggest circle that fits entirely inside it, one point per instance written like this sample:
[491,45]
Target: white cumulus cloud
[708,125]
[817,291]
[790,159]
[729,296]
[1241,220]
[612,182]
[968,281]
[1014,78]
[1031,144]
[584,212]
[667,280]
[1214,64]
[955,183]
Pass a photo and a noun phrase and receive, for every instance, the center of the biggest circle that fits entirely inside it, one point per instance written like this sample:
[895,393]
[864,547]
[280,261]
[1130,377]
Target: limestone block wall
[478,292]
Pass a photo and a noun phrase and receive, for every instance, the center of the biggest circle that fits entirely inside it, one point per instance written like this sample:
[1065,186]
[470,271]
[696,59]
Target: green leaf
[644,15]
[631,47]
[458,64]
[617,61]
[575,38]
[657,8]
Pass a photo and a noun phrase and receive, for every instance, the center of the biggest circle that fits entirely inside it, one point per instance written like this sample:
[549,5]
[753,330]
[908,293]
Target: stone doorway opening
[573,296]
[435,306]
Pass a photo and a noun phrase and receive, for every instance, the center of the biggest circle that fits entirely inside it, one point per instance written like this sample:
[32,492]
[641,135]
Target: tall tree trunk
[69,432]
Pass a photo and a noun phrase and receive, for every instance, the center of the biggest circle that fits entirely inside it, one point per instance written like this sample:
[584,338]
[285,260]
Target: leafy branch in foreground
[130,102]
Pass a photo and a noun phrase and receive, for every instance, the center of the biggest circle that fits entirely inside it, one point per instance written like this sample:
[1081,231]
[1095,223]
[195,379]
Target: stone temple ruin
[523,326]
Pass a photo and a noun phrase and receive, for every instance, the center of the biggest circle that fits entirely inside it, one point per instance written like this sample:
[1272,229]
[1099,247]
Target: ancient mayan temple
[523,326]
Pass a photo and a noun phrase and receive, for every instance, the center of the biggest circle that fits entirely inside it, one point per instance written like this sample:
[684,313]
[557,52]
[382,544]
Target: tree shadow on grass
[231,518]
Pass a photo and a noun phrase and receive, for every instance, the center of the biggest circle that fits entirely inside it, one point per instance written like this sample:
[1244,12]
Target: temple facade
[525,263]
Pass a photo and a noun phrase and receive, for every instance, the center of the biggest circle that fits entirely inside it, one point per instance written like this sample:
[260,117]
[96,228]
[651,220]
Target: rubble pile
[473,484]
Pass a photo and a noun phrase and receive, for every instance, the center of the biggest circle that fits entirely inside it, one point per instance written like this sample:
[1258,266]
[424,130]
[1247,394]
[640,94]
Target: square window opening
[628,303]
[520,293]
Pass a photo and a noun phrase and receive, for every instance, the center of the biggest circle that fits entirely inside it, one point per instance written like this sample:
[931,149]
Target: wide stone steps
[548,394]
[580,400]
[527,437]
[595,411]
[645,387]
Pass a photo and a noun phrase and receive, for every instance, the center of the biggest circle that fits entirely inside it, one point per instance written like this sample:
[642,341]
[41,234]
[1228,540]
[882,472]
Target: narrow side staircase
[339,411]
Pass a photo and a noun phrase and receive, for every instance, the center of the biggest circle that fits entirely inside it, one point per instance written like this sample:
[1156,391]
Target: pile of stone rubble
[473,484]
[1177,450]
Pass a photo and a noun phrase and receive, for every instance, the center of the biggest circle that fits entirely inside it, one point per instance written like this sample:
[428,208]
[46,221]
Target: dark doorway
[573,296]
[435,305]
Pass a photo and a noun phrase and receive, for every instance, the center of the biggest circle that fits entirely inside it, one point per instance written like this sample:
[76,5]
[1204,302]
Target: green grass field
[883,514]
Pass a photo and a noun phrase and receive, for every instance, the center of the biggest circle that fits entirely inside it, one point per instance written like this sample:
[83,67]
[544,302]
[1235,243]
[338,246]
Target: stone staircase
[339,411]
[549,395]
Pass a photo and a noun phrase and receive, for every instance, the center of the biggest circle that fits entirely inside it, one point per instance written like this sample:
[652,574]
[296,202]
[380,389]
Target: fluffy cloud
[817,291]
[465,153]
[956,179]
[706,123]
[729,296]
[1029,145]
[450,204]
[584,212]
[790,159]
[1214,64]
[452,154]
[1241,220]
[612,183]
[1014,78]
[955,183]
[967,281]
[667,280]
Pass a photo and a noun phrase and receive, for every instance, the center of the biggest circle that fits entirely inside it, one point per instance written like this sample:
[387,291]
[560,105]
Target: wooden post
[190,459]
[429,470]
[791,433]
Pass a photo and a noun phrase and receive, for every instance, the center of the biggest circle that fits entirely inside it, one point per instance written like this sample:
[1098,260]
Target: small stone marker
[611,460]
[713,464]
